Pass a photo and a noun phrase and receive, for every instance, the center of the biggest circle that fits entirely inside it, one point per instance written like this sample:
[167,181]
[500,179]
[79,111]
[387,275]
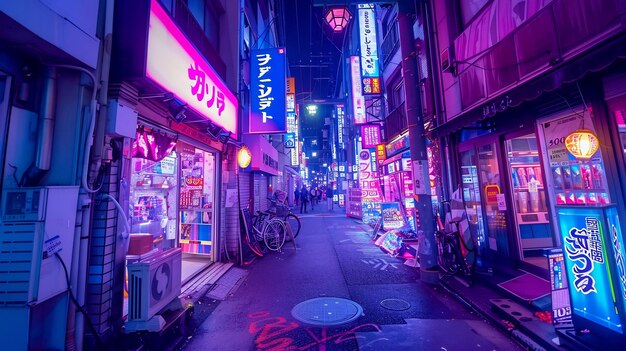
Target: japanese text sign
[175,65]
[340,124]
[358,101]
[369,50]
[584,234]
[381,154]
[268,90]
[371,135]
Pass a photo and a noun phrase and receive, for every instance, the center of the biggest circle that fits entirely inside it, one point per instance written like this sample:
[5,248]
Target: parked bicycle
[452,251]
[280,208]
[272,231]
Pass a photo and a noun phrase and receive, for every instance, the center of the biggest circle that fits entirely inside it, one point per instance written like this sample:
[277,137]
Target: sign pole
[417,145]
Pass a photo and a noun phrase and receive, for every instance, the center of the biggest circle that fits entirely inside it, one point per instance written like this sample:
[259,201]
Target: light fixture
[244,157]
[338,18]
[582,144]
[311,109]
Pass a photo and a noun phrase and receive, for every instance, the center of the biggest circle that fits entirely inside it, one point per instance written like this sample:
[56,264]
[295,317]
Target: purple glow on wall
[174,64]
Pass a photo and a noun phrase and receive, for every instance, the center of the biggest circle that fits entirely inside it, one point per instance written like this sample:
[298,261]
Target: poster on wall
[268,91]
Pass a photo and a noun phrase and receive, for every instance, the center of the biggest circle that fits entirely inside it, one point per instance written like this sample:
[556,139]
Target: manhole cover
[395,304]
[327,311]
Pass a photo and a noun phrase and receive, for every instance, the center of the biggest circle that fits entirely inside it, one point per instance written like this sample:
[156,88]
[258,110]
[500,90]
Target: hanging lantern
[244,157]
[582,144]
[338,18]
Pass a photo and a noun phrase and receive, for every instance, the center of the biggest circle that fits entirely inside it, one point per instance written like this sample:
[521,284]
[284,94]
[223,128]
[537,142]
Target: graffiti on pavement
[380,264]
[273,333]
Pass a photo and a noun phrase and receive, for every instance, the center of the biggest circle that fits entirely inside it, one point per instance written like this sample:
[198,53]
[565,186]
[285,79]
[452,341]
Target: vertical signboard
[370,185]
[586,234]
[358,101]
[268,85]
[561,308]
[340,123]
[371,136]
[370,72]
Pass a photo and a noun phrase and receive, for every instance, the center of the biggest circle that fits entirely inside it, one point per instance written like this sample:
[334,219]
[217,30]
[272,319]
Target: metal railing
[391,43]
[396,121]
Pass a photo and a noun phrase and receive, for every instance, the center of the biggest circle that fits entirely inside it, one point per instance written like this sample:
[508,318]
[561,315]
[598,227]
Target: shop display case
[153,196]
[528,193]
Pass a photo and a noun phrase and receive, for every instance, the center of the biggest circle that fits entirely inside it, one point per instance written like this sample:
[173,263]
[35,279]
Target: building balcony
[395,122]
[391,43]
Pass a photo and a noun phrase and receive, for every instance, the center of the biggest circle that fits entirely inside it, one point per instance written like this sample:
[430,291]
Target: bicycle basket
[282,211]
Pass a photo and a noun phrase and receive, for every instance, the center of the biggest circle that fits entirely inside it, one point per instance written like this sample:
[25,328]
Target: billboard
[268,90]
[358,101]
[370,70]
[173,63]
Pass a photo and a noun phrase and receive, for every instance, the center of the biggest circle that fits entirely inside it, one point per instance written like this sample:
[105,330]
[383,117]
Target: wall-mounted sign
[173,63]
[397,145]
[340,123]
[268,90]
[358,101]
[264,155]
[381,154]
[370,72]
[370,134]
[491,193]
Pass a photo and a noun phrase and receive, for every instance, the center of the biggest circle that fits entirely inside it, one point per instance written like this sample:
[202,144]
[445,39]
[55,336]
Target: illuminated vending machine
[593,250]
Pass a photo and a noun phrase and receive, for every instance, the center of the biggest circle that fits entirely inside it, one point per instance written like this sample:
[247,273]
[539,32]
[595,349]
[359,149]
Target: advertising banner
[354,203]
[173,63]
[268,85]
[392,215]
[358,101]
[370,187]
[370,70]
[561,308]
[585,234]
[370,134]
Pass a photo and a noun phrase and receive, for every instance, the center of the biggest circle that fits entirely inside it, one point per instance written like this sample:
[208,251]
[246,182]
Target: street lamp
[338,18]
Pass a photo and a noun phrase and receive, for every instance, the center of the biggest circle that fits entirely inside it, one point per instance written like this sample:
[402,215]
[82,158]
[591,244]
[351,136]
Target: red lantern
[338,18]
[582,144]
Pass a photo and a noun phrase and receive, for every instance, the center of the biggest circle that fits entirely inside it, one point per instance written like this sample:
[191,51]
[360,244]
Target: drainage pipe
[41,165]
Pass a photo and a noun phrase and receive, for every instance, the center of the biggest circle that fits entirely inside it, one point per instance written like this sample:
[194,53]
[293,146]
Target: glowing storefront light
[338,18]
[244,157]
[582,144]
[174,64]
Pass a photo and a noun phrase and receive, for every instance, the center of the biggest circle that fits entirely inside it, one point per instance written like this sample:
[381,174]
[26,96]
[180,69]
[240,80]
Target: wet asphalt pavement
[336,259]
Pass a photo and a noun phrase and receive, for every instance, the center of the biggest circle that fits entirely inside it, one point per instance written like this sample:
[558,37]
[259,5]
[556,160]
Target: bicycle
[280,208]
[452,251]
[272,231]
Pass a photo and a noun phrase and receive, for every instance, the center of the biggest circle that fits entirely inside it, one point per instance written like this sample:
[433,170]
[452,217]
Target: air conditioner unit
[153,283]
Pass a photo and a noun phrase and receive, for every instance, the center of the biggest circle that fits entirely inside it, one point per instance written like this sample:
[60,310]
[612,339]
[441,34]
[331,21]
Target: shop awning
[291,170]
[596,60]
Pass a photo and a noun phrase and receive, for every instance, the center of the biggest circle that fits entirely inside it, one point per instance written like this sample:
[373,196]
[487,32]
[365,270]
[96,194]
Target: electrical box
[121,120]
[37,223]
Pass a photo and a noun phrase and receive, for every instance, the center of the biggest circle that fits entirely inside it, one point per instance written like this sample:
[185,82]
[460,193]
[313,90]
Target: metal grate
[16,255]
[134,300]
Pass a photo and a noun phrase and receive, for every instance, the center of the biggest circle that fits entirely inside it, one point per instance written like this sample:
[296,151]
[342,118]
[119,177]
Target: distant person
[296,200]
[329,198]
[304,199]
[312,195]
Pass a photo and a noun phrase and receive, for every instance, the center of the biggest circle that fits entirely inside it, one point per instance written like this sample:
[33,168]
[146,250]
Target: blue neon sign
[584,236]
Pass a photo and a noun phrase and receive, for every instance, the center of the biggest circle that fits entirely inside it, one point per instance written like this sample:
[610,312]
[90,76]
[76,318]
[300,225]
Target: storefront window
[491,185]
[153,199]
[197,200]
[471,196]
[574,182]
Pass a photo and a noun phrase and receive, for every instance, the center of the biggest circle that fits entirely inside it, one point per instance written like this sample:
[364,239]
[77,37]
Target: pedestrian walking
[304,199]
[329,198]
[296,200]
[312,195]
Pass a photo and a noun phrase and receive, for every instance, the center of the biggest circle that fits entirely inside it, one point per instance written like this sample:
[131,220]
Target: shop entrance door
[484,200]
[528,196]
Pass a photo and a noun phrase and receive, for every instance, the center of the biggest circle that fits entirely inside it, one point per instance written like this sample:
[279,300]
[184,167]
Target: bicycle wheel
[293,223]
[274,234]
[258,223]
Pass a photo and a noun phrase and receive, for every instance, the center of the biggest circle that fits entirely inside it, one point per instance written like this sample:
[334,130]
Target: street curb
[515,334]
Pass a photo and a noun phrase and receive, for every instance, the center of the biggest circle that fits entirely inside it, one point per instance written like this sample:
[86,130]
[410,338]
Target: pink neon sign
[175,65]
